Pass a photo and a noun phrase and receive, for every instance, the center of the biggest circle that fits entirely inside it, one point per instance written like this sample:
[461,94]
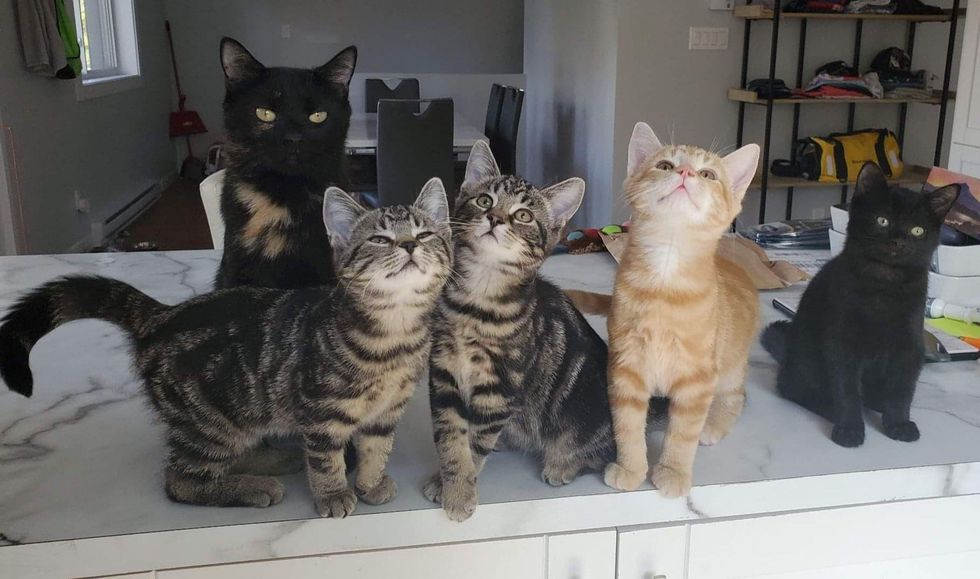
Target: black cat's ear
[238,63]
[942,200]
[564,200]
[480,165]
[340,214]
[340,69]
[432,201]
[870,179]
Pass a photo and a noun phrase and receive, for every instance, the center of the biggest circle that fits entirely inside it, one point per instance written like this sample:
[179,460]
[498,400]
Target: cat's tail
[61,301]
[774,339]
[590,303]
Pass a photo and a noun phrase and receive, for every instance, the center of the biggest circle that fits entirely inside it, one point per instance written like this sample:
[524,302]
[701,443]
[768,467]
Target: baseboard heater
[104,230]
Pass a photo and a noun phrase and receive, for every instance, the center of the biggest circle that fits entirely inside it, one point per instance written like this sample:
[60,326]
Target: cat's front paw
[904,431]
[559,475]
[848,436]
[336,505]
[432,489]
[711,435]
[381,493]
[619,478]
[459,499]
[671,482]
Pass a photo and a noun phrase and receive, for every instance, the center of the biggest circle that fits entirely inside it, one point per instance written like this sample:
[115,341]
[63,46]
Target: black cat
[285,144]
[857,337]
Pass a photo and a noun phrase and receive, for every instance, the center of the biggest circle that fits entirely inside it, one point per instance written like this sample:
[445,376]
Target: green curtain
[66,29]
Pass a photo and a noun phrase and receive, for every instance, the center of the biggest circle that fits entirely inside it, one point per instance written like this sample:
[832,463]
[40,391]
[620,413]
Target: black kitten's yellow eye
[318,117]
[917,231]
[380,239]
[424,235]
[523,215]
[882,221]
[665,166]
[708,174]
[485,201]
[265,115]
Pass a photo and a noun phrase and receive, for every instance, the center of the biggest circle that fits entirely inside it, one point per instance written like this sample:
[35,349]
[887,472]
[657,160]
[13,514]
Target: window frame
[120,46]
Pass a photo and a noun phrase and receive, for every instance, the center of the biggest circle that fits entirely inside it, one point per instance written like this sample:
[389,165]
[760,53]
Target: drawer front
[653,553]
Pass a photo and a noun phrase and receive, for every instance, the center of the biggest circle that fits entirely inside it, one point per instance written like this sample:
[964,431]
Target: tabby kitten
[511,356]
[682,319]
[857,338]
[285,143]
[227,368]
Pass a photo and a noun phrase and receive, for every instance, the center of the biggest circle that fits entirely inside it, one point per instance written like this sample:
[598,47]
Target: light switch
[707,38]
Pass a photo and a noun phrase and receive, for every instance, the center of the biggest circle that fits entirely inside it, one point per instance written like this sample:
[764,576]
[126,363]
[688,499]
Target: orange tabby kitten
[681,318]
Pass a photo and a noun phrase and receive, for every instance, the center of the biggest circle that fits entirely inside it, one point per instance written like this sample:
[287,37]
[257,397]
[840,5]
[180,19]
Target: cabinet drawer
[650,553]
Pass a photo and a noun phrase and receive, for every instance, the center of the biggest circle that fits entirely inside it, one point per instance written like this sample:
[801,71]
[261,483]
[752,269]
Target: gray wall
[459,45]
[682,92]
[109,148]
[569,111]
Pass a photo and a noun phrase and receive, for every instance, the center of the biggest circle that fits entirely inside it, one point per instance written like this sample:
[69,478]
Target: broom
[184,123]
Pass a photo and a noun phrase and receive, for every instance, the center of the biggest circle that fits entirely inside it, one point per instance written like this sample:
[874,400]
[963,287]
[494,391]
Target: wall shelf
[776,18]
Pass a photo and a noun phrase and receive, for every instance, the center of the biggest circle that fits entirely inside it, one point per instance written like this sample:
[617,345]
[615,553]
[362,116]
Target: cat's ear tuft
[238,63]
[340,68]
[869,180]
[340,215]
[740,166]
[481,164]
[564,199]
[942,200]
[643,143]
[432,201]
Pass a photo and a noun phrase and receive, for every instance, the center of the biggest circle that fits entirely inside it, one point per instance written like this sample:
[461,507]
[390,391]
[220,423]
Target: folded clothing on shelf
[862,6]
[894,68]
[815,6]
[844,86]
[763,88]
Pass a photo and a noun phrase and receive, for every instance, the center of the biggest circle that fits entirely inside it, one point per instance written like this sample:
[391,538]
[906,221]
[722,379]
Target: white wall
[109,148]
[569,111]
[682,92]
[456,48]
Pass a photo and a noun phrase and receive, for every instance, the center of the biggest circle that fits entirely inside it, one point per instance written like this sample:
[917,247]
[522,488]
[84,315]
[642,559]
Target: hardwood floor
[175,221]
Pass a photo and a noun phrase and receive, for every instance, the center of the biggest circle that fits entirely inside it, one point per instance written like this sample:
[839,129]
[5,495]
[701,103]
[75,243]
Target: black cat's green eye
[708,174]
[380,239]
[665,166]
[424,235]
[318,117]
[917,231]
[523,215]
[265,115]
[882,221]
[485,201]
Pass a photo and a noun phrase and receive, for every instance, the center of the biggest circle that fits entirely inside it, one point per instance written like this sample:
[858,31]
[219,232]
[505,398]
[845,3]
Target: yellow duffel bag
[837,158]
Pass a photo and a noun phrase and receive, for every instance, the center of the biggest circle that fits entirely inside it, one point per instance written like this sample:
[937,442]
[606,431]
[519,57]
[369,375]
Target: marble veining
[82,459]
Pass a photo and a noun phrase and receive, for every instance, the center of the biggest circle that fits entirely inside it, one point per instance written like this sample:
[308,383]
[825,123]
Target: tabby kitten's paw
[384,491]
[559,475]
[848,436]
[459,500]
[619,478]
[670,481]
[336,505]
[904,431]
[432,489]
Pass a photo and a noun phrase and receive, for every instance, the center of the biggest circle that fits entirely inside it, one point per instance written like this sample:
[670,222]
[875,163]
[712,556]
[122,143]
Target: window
[107,38]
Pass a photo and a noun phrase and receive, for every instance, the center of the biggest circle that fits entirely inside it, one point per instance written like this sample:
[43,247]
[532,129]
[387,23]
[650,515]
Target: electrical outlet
[818,213]
[707,38]
[81,203]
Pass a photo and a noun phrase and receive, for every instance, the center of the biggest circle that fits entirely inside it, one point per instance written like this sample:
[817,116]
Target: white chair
[211,197]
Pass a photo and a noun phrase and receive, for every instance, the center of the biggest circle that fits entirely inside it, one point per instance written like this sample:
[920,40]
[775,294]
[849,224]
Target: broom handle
[173,59]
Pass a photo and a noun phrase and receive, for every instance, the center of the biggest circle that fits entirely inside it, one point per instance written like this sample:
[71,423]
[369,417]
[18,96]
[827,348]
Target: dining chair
[376,89]
[211,198]
[493,109]
[504,142]
[413,147]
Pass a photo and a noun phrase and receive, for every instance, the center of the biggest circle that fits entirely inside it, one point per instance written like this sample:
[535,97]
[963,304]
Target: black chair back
[375,89]
[413,147]
[493,110]
[504,142]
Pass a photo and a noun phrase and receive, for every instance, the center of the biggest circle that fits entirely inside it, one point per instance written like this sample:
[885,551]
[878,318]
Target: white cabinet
[582,556]
[514,558]
[650,553]
[964,152]
[869,541]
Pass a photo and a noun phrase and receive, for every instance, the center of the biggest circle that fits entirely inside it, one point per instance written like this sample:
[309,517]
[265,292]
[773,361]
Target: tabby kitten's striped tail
[60,301]
[590,303]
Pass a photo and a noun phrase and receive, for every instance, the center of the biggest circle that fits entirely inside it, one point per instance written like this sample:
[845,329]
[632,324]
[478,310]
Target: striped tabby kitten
[227,368]
[511,356]
[682,319]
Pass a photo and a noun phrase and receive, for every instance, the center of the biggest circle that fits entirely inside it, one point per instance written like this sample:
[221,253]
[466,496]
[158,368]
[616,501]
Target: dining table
[363,133]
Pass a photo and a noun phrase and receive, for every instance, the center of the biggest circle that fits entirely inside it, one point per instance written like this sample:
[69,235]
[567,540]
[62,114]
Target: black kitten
[857,337]
[286,131]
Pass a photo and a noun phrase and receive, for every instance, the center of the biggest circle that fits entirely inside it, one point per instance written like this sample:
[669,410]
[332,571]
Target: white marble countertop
[80,462]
